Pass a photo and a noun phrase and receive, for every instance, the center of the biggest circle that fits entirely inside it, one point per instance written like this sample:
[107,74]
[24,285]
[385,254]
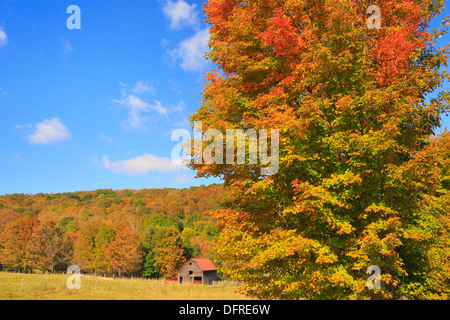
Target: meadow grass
[53,287]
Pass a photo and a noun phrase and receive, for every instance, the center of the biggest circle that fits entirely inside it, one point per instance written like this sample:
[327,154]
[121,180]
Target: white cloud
[48,132]
[181,14]
[165,42]
[3,38]
[105,138]
[142,87]
[141,165]
[192,51]
[138,110]
[65,45]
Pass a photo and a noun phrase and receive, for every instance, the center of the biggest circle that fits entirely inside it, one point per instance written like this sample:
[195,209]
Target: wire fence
[85,274]
[228,283]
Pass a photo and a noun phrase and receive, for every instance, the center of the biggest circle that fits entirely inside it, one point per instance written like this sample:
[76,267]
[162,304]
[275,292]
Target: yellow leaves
[417,233]
[326,256]
[346,179]
[382,237]
[270,251]
[380,208]
[318,203]
[346,103]
[282,244]
[391,224]
[388,279]
[340,277]
[344,228]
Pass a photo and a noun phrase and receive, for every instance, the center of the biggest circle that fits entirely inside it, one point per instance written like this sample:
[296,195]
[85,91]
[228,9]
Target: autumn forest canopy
[135,233]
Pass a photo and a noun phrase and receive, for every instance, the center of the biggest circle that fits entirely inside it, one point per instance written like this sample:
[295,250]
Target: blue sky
[94,108]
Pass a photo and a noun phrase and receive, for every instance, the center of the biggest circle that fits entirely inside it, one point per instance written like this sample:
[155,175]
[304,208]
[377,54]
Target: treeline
[147,232]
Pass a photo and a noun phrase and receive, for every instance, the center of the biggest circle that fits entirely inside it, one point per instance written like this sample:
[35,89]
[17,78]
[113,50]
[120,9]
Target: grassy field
[53,287]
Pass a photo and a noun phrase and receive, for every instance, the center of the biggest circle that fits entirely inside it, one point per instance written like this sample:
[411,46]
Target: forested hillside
[147,232]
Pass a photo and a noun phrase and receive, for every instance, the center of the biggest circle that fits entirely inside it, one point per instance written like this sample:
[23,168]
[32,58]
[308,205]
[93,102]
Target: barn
[197,271]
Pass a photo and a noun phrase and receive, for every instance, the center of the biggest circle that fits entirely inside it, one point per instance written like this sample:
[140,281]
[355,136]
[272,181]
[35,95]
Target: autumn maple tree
[15,244]
[167,250]
[357,109]
[49,247]
[123,252]
[85,247]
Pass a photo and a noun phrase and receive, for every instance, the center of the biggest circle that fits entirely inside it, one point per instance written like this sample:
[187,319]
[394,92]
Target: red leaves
[393,54]
[282,36]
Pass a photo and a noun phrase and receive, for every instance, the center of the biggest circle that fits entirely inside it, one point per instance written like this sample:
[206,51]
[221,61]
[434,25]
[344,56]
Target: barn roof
[204,264]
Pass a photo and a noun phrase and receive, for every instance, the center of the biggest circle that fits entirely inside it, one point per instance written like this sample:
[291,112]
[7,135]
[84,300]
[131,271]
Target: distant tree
[14,243]
[106,192]
[148,246]
[160,219]
[75,196]
[86,215]
[85,247]
[49,247]
[104,201]
[104,236]
[190,250]
[124,252]
[139,203]
[149,269]
[164,251]
[68,224]
[88,197]
[168,251]
[202,246]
